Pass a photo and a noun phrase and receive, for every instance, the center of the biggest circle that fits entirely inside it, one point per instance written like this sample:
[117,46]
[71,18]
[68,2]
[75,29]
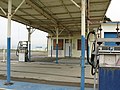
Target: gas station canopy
[47,15]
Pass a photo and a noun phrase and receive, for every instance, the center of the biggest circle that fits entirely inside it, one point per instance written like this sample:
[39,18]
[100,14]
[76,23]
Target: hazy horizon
[20,33]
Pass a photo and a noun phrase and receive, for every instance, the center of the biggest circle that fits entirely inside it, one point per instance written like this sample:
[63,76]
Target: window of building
[60,44]
[79,44]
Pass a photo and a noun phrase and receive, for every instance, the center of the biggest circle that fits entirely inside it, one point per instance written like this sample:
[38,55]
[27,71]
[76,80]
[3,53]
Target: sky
[20,33]
[113,11]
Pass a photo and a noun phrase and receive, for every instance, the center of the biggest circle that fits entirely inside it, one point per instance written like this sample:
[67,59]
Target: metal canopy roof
[46,15]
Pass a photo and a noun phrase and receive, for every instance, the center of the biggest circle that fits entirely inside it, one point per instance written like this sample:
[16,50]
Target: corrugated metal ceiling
[48,14]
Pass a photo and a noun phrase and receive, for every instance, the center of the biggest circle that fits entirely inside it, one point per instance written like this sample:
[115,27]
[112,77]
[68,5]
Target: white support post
[83,3]
[9,42]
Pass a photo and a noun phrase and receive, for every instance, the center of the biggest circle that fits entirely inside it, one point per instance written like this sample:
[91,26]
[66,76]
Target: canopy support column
[83,2]
[56,45]
[9,38]
[29,43]
[9,42]
[69,46]
[51,46]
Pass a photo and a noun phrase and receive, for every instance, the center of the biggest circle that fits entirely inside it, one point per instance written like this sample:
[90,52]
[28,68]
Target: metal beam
[3,11]
[38,26]
[45,14]
[25,21]
[68,10]
[75,3]
[41,11]
[77,12]
[18,7]
[93,2]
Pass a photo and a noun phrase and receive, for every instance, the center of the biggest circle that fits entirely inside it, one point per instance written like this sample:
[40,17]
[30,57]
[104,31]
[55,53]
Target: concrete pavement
[51,72]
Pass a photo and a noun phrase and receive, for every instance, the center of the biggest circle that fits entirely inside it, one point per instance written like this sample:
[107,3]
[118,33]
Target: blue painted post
[56,53]
[83,44]
[69,51]
[57,46]
[9,41]
[69,46]
[51,46]
[51,51]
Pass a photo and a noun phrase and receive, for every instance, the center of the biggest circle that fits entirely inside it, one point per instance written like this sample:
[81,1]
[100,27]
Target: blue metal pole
[8,59]
[69,45]
[56,53]
[82,44]
[51,46]
[82,62]
[57,46]
[9,41]
[69,51]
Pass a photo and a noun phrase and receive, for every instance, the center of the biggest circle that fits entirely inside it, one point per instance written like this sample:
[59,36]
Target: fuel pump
[22,51]
[92,62]
[105,60]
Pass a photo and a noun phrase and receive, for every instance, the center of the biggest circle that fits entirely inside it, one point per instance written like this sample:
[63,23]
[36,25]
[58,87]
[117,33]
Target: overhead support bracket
[61,31]
[32,30]
[18,7]
[75,3]
[3,11]
[54,32]
[58,31]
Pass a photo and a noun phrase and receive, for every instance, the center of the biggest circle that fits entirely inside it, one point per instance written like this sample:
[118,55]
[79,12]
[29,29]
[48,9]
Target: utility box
[109,57]
[109,69]
[109,78]
[22,51]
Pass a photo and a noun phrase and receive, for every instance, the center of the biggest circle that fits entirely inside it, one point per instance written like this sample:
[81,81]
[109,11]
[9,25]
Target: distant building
[109,31]
[66,46]
[72,46]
